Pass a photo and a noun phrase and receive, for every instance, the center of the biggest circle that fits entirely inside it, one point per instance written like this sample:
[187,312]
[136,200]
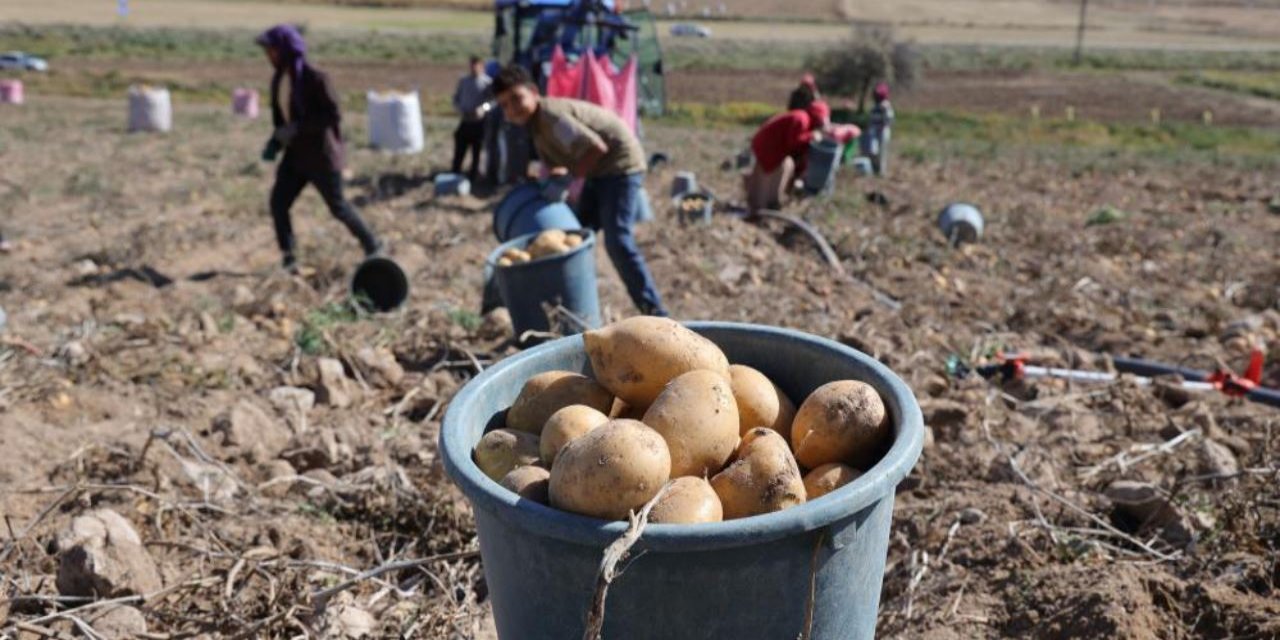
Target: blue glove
[272,150]
[556,188]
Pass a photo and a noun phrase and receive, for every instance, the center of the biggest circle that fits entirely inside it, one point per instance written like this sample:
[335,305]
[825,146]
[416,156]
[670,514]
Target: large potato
[828,478]
[551,391]
[698,418]
[763,479]
[565,425]
[502,450]
[843,421]
[688,500]
[548,243]
[760,402]
[635,358]
[611,470]
[528,482]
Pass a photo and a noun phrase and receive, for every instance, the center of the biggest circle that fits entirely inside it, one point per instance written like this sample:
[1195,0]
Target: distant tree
[871,54]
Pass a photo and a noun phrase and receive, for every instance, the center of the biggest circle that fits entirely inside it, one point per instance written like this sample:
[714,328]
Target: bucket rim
[877,483]
[401,276]
[588,241]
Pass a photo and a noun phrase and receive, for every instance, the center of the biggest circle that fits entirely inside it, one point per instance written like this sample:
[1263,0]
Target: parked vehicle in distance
[687,30]
[19,61]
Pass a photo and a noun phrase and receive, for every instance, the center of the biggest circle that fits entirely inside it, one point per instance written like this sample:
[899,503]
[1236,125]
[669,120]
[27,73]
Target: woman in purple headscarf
[304,109]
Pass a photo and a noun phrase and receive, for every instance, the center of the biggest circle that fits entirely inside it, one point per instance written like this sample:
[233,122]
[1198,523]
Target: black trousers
[469,136]
[290,181]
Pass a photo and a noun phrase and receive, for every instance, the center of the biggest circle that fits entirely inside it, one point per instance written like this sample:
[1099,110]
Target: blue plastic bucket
[742,579]
[567,279]
[452,184]
[862,166]
[960,223]
[824,161]
[379,284]
[525,211]
[700,214]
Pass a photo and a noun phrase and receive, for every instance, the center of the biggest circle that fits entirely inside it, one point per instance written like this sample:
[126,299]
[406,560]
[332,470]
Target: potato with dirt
[528,482]
[551,391]
[548,243]
[843,421]
[635,358]
[828,478]
[760,402]
[610,471]
[764,478]
[687,500]
[502,450]
[697,416]
[564,426]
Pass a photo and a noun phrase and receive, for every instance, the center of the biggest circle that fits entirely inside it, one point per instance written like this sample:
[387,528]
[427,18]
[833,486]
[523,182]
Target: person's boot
[290,264]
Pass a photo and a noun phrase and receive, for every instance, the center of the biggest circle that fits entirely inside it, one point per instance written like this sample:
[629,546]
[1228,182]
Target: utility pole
[1084,8]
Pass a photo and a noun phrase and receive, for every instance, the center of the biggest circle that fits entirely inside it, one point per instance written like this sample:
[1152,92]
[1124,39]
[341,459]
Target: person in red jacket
[781,149]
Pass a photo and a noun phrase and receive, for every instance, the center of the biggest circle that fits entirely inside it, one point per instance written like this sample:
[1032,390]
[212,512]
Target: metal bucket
[961,223]
[452,184]
[824,161]
[379,284]
[811,571]
[525,211]
[567,279]
[683,182]
[862,166]
[701,214]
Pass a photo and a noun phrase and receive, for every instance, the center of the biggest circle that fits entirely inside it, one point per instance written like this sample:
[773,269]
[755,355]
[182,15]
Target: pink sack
[11,92]
[244,103]
[566,79]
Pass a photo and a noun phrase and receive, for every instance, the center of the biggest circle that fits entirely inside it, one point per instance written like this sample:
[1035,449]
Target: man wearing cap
[781,149]
[582,140]
[304,110]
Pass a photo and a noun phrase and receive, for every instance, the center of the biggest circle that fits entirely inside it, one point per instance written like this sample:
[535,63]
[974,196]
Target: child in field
[875,144]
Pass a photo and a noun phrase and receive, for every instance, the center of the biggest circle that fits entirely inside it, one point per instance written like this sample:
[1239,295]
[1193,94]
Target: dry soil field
[162,403]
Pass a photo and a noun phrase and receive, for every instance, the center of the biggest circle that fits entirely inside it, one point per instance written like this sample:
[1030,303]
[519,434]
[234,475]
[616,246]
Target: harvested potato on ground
[698,418]
[635,358]
[528,482]
[551,391]
[564,426]
[763,479]
[828,478]
[843,421]
[688,500]
[502,450]
[611,470]
[573,240]
[760,402]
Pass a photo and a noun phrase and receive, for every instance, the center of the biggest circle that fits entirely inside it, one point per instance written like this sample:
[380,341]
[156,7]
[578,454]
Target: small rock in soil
[381,365]
[293,403]
[119,623]
[973,516]
[278,476]
[332,386]
[101,555]
[250,431]
[1216,459]
[496,325]
[342,620]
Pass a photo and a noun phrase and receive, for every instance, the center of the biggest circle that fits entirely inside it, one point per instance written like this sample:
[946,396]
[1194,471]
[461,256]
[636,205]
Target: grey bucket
[684,182]
[824,161]
[452,184]
[567,279]
[702,214]
[960,223]
[524,211]
[379,284]
[741,579]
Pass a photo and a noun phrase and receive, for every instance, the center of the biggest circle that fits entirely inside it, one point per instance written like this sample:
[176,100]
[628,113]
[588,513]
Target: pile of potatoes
[693,204]
[548,243]
[665,408]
